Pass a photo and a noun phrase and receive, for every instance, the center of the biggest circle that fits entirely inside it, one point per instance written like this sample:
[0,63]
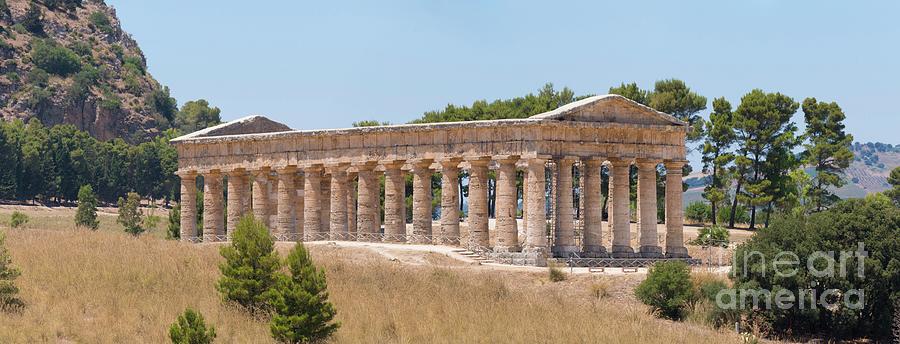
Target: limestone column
[422,196]
[351,204]
[339,188]
[394,202]
[536,222]
[449,233]
[299,209]
[285,222]
[325,200]
[273,202]
[507,195]
[261,195]
[674,212]
[564,242]
[649,241]
[312,202]
[188,205]
[246,196]
[478,203]
[367,204]
[593,208]
[621,245]
[237,191]
[213,219]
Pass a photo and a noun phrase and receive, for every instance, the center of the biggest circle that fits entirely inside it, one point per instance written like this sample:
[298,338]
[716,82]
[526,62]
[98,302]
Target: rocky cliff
[68,61]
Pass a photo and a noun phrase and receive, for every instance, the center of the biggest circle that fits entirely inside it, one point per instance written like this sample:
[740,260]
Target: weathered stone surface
[621,244]
[674,212]
[188,205]
[325,201]
[299,202]
[338,211]
[478,208]
[352,193]
[593,211]
[422,196]
[261,195]
[507,201]
[368,202]
[449,201]
[649,241]
[213,219]
[237,191]
[536,222]
[312,192]
[286,223]
[394,203]
[565,211]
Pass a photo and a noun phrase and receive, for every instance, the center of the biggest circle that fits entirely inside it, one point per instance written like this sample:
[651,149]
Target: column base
[564,251]
[622,252]
[542,250]
[677,252]
[594,251]
[651,252]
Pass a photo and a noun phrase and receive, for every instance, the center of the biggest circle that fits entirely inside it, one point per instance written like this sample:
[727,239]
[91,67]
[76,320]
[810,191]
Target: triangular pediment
[610,108]
[242,126]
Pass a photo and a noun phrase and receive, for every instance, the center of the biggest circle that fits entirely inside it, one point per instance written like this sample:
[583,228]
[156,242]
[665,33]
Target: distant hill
[872,164]
[68,61]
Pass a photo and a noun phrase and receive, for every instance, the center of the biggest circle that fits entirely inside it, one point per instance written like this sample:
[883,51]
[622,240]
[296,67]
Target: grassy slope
[108,287]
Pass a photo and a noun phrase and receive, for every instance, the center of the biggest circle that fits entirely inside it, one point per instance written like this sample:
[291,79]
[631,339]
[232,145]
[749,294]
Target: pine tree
[130,214]
[827,149]
[86,216]
[674,97]
[190,328]
[717,155]
[302,311]
[251,265]
[9,300]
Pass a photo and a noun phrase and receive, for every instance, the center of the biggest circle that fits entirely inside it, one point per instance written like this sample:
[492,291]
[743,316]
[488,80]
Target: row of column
[322,203]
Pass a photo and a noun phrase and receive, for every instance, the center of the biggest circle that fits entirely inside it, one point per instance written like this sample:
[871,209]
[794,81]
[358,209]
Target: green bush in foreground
[86,215]
[17,219]
[130,214]
[667,289]
[251,265]
[8,299]
[191,329]
[300,301]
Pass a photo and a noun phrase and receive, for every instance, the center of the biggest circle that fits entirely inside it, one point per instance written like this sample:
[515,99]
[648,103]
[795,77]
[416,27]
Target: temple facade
[327,184]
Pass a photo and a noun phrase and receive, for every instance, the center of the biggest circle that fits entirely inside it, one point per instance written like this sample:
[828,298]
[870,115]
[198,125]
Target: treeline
[51,164]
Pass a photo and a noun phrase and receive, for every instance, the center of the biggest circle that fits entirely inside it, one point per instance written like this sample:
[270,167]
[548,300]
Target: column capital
[421,164]
[566,158]
[593,161]
[186,174]
[478,160]
[236,172]
[672,165]
[644,163]
[365,165]
[618,160]
[286,170]
[338,166]
[212,172]
[450,162]
[392,164]
[507,158]
[313,168]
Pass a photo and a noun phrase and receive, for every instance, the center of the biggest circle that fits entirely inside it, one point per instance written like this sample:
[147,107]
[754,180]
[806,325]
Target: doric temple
[326,184]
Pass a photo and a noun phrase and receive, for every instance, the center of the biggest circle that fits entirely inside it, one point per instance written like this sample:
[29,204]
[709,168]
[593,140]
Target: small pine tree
[130,214]
[173,231]
[251,265]
[86,216]
[191,329]
[667,289]
[300,301]
[8,298]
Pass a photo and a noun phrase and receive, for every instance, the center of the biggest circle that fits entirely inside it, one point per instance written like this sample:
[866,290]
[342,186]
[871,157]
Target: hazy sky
[326,64]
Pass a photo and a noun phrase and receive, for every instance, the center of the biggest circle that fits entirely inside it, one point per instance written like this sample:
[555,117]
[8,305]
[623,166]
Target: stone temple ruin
[326,184]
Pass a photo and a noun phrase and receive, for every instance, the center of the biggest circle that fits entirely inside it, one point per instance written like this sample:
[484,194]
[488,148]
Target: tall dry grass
[107,287]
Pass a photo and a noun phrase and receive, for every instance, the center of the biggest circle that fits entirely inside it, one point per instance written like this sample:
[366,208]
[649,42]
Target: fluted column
[325,203]
[285,222]
[338,226]
[299,209]
[536,223]
[213,219]
[564,242]
[394,202]
[351,204]
[367,204]
[593,208]
[188,205]
[478,204]
[312,203]
[246,195]
[237,191]
[674,211]
[273,202]
[647,210]
[507,195]
[261,195]
[422,196]
[621,246]
[449,233]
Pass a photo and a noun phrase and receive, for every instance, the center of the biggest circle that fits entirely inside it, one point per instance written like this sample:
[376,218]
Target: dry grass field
[108,287]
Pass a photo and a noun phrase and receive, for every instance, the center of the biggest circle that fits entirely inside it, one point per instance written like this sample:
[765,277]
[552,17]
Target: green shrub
[303,313]
[54,58]
[134,65]
[712,236]
[741,215]
[250,265]
[101,22]
[130,215]
[9,300]
[81,48]
[38,77]
[173,230]
[18,219]
[86,215]
[667,289]
[555,273]
[697,212]
[110,101]
[32,21]
[190,328]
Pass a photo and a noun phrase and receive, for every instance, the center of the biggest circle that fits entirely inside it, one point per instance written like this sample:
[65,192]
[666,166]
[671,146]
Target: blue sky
[326,64]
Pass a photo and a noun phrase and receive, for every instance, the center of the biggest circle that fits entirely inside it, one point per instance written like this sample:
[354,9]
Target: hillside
[69,62]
